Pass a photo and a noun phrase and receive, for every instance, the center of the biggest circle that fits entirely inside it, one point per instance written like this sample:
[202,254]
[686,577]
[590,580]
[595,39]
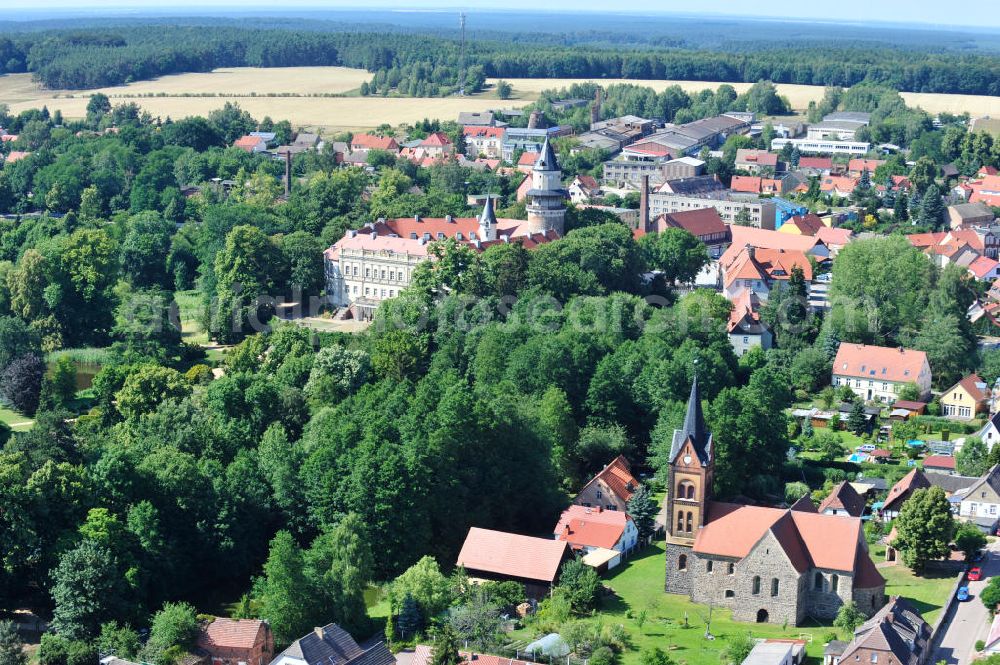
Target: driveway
[968,621]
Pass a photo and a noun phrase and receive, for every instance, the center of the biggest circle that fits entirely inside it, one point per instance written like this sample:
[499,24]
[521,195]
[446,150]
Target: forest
[88,57]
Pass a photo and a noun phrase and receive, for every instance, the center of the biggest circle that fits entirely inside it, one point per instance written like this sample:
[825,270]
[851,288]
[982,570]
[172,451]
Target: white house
[990,433]
[589,529]
[980,503]
[878,372]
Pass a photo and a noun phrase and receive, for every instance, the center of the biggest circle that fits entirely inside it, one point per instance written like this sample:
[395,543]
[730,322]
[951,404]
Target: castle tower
[691,471]
[488,221]
[546,211]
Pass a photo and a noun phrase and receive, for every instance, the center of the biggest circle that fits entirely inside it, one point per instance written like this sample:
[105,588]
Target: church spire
[694,428]
[546,158]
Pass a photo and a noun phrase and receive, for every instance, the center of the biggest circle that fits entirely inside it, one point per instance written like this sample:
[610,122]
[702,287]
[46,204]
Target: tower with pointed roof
[691,472]
[546,211]
[488,221]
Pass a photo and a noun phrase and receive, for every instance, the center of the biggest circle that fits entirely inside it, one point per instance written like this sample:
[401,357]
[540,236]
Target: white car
[866,448]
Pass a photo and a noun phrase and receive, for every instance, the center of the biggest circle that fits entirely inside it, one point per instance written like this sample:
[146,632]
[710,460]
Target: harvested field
[298,94]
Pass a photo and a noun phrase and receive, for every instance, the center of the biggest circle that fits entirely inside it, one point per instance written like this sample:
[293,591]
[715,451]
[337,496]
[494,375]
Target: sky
[974,13]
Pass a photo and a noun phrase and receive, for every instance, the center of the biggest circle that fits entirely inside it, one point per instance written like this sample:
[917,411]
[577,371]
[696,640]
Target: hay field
[798,95]
[289,93]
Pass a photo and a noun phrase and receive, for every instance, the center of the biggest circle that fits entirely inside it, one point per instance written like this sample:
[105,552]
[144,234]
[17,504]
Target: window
[680,521]
[682,562]
[874,657]
[708,566]
[818,582]
[774,586]
[731,569]
[756,585]
[368,272]
[730,594]
[834,583]
[689,521]
[599,494]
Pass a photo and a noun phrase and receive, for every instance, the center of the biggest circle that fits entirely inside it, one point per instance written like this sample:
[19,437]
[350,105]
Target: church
[767,565]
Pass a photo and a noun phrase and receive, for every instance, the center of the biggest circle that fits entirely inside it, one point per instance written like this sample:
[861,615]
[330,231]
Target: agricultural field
[326,97]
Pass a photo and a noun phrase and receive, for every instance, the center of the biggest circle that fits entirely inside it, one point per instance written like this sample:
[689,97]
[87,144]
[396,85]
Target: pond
[85,372]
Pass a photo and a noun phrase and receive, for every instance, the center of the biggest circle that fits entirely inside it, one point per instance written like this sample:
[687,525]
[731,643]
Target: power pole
[461,65]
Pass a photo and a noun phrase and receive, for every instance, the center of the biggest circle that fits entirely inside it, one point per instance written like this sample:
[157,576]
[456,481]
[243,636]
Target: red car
[975,574]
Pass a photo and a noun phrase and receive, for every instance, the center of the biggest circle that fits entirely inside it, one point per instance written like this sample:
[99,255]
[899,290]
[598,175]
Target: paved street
[968,621]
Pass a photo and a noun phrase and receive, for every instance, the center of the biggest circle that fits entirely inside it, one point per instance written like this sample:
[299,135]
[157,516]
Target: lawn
[638,586]
[189,304]
[15,419]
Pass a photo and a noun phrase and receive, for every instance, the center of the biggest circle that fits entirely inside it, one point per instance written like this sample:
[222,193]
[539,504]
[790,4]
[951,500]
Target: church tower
[546,211]
[691,470]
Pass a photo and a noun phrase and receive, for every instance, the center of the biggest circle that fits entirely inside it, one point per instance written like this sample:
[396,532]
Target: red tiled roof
[436,140]
[423,654]
[512,554]
[248,142]
[858,165]
[477,131]
[7,138]
[809,539]
[939,462]
[527,159]
[701,223]
[230,633]
[618,477]
[588,181]
[758,157]
[986,190]
[878,362]
[974,386]
[838,183]
[926,239]
[765,239]
[746,307]
[581,526]
[15,156]
[808,224]
[745,183]
[773,263]
[372,142]
[832,237]
[819,163]
[908,484]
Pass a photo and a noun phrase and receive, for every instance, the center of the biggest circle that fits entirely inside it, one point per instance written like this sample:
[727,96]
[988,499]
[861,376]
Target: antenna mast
[461,66]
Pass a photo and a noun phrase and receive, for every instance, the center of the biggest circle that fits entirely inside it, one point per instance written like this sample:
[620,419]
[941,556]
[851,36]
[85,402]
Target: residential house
[590,529]
[980,503]
[986,190]
[803,225]
[528,139]
[939,464]
[502,556]
[436,145]
[477,119]
[768,239]
[332,645]
[856,167]
[745,328]
[965,399]
[583,189]
[611,488]
[483,141]
[835,185]
[776,652]
[366,142]
[16,156]
[984,269]
[834,239]
[756,161]
[251,144]
[878,372]
[842,500]
[236,641]
[760,270]
[768,565]
[901,491]
[990,434]
[965,215]
[896,635]
[815,166]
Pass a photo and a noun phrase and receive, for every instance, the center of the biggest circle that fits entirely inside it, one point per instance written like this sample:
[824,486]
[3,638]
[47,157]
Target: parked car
[866,448]
[963,593]
[975,574]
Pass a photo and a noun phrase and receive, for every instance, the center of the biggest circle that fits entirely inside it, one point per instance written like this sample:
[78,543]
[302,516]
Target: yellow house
[965,399]
[803,225]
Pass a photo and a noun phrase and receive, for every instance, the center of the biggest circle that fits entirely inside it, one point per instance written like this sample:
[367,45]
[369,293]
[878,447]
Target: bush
[980,645]
[602,656]
[581,585]
[199,375]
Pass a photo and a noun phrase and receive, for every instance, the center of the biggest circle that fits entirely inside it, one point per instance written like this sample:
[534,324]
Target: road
[968,621]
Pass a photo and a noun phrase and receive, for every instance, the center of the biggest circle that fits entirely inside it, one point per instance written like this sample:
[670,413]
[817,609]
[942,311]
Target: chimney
[416,218]
[319,632]
[449,219]
[374,235]
[644,204]
[751,251]
[288,173]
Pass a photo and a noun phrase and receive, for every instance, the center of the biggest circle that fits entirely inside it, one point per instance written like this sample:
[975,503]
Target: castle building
[546,211]
[767,565]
